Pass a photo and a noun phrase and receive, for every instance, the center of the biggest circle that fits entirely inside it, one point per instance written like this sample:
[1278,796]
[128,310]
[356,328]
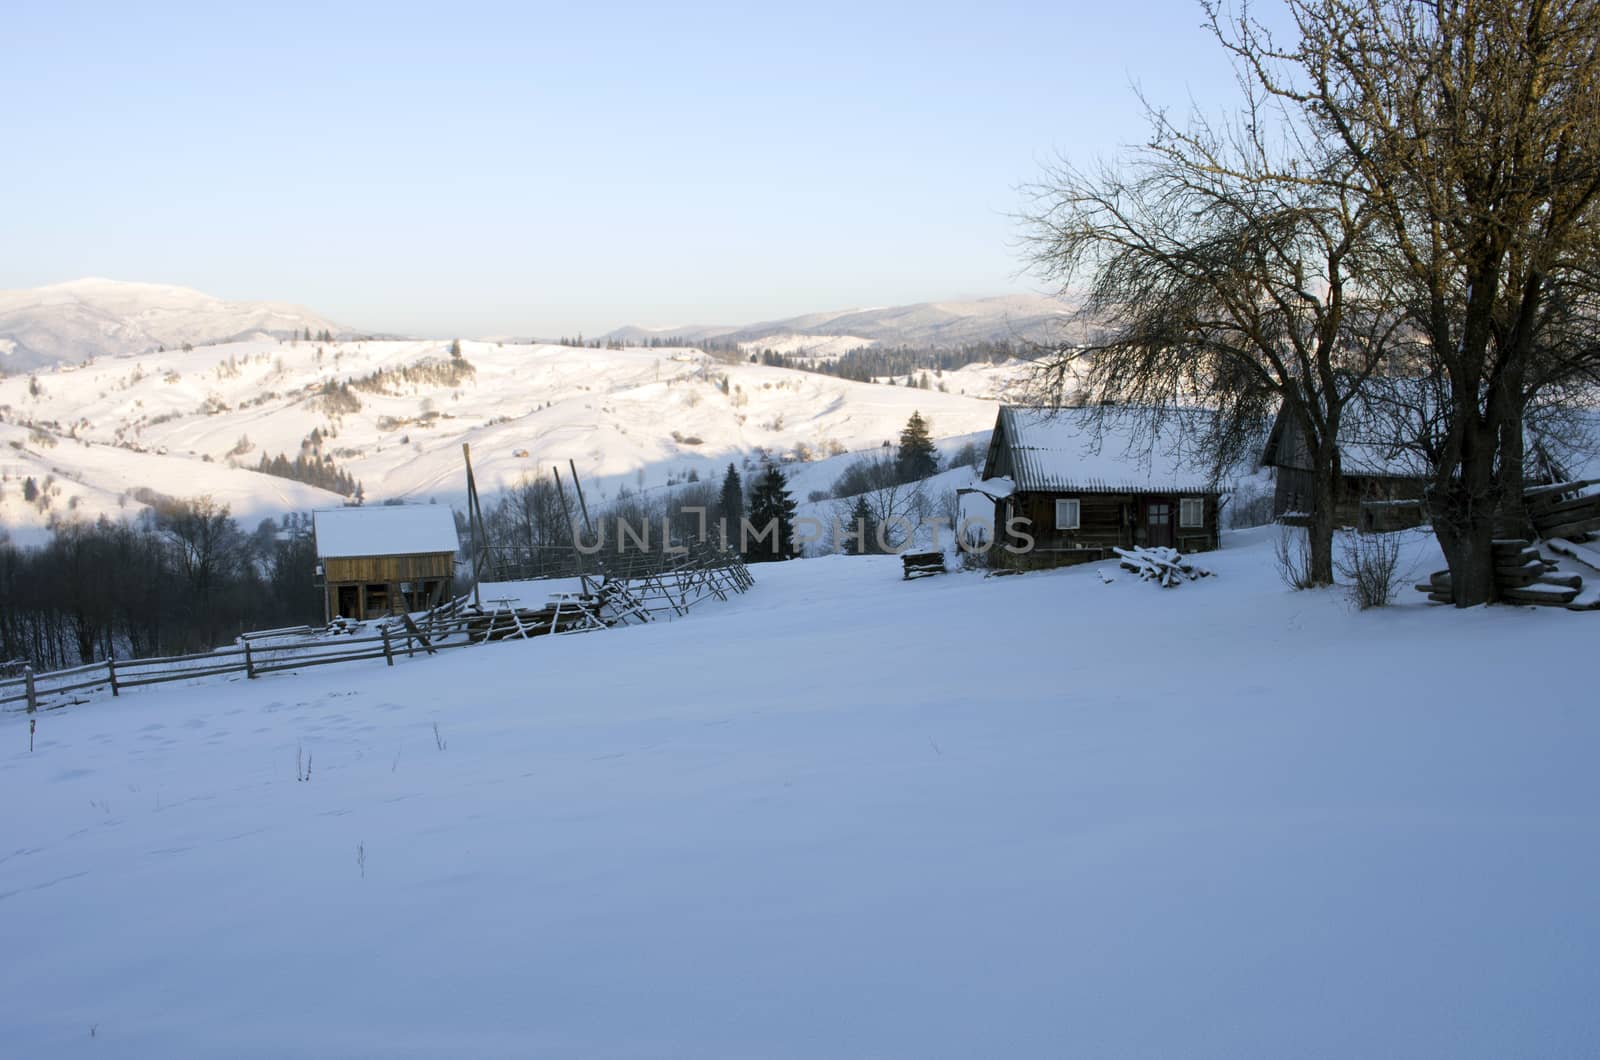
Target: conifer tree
[865,526]
[730,507]
[916,458]
[771,503]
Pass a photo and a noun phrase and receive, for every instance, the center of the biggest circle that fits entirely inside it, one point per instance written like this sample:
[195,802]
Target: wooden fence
[270,651]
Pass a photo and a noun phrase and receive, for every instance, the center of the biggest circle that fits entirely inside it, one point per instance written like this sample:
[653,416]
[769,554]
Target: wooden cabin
[1086,486]
[1379,485]
[384,560]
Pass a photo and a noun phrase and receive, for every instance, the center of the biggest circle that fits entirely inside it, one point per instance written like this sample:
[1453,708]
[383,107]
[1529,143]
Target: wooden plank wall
[381,570]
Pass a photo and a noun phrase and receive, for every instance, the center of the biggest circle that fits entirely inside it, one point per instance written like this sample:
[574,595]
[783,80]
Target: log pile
[1165,566]
[1521,576]
[1563,511]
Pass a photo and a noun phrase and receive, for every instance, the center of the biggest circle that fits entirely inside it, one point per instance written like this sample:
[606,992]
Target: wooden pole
[111,671]
[388,653]
[566,510]
[472,521]
[249,663]
[581,503]
[33,699]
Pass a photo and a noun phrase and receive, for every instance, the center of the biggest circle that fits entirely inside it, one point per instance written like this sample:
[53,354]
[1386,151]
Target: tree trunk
[1319,535]
[1464,515]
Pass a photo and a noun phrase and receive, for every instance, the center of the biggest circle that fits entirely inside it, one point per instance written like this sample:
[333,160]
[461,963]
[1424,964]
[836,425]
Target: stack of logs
[1559,512]
[1166,566]
[1521,575]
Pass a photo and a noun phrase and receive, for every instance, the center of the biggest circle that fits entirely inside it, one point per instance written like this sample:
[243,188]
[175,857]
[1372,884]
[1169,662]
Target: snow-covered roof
[1381,425]
[384,530]
[1090,450]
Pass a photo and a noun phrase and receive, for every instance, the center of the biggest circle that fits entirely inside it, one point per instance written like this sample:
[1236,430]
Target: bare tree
[1468,131]
[1225,265]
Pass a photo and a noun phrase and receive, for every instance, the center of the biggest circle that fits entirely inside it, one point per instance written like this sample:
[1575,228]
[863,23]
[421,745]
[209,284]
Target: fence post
[111,671]
[33,699]
[388,654]
[249,664]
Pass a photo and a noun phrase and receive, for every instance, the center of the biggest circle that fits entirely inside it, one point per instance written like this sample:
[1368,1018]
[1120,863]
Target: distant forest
[184,578]
[861,364]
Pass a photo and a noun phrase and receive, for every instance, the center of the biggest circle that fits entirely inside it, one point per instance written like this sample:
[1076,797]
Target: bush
[1371,563]
[1293,554]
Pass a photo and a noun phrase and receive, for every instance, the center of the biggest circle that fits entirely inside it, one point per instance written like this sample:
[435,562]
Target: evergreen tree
[731,505]
[865,526]
[916,458]
[770,503]
[455,349]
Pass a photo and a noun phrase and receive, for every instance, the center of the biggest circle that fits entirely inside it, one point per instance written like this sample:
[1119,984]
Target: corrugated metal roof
[1084,451]
[384,530]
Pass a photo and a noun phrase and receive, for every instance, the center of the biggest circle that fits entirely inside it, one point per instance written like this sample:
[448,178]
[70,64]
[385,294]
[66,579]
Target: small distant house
[384,560]
[1086,485]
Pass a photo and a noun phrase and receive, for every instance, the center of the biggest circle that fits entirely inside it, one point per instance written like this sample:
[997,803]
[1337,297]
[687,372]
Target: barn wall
[385,569]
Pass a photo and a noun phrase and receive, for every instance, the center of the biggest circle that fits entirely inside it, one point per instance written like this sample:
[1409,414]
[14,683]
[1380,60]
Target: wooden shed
[1086,485]
[384,560]
[1384,472]
[1379,485]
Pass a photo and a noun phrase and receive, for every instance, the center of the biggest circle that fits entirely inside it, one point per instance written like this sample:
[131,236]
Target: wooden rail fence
[449,626]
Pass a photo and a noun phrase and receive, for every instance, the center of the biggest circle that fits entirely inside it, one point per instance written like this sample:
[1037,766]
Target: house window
[1192,511]
[1067,514]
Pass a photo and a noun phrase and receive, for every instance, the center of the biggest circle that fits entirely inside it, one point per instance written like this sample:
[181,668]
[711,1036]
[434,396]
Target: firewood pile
[1165,566]
[1562,511]
[1521,575]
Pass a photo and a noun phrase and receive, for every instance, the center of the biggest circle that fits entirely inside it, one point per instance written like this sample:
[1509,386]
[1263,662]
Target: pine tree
[771,503]
[865,526]
[455,349]
[916,458]
[730,508]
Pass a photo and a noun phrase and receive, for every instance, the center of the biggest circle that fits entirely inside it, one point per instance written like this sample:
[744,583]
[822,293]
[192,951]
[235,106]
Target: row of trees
[312,469]
[1407,191]
[529,530]
[184,577]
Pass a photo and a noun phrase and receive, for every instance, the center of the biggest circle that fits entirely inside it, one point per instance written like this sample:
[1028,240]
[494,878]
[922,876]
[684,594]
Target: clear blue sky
[532,169]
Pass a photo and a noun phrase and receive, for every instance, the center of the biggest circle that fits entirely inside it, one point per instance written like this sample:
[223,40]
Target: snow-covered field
[843,815]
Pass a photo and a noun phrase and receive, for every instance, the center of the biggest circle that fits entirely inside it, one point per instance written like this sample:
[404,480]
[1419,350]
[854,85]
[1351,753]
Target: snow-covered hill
[66,323]
[394,415]
[923,324]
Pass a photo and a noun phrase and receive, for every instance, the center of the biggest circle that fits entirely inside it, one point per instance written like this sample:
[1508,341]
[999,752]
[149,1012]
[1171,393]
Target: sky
[533,169]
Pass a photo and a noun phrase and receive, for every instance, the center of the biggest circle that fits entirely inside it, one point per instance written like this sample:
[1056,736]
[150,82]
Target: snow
[97,318]
[828,819]
[1070,449]
[631,419]
[386,530]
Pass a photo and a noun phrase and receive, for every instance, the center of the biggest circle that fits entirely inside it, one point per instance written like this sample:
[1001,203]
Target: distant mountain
[67,323]
[926,324]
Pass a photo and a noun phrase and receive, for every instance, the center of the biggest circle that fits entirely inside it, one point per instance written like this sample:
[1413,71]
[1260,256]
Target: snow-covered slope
[829,819]
[942,324]
[635,418]
[72,322]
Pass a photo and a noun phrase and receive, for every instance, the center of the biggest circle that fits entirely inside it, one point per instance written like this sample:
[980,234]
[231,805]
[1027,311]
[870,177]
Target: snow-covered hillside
[394,415]
[923,324]
[826,819]
[71,322]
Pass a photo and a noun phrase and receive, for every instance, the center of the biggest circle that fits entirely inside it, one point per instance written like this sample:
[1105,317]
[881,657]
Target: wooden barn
[1382,479]
[1086,486]
[384,560]
[1379,486]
